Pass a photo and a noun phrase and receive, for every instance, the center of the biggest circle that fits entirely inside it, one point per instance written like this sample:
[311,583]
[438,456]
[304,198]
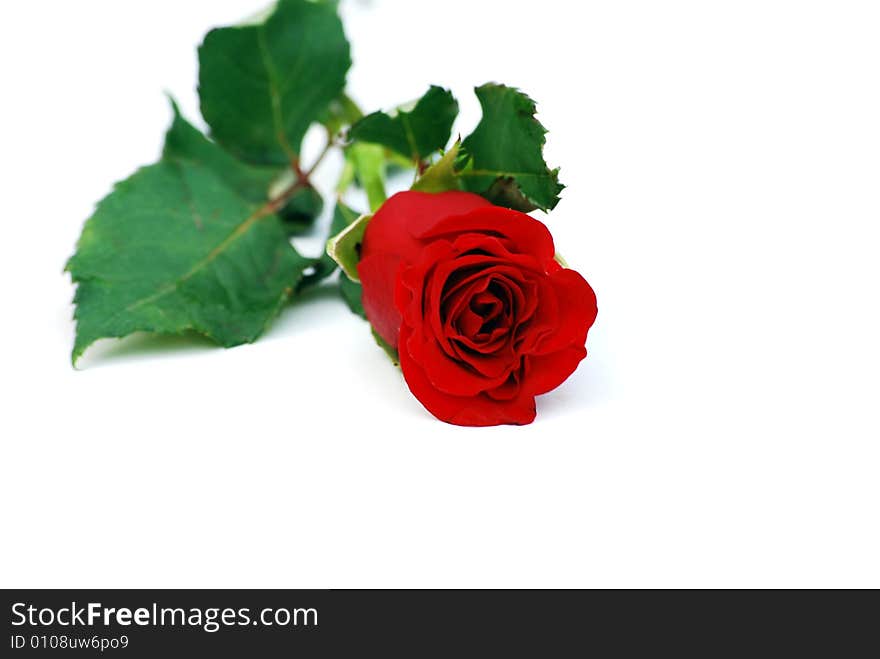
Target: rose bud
[482,315]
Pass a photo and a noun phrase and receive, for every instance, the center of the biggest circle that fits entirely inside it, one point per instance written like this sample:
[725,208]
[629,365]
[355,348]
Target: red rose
[482,315]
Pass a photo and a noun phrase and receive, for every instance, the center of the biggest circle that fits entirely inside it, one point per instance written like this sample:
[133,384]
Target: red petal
[450,374]
[478,410]
[528,234]
[378,274]
[544,318]
[546,372]
[404,216]
[577,312]
[413,278]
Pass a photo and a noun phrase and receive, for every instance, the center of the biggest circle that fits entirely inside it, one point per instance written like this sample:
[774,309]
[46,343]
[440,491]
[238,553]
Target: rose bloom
[482,315]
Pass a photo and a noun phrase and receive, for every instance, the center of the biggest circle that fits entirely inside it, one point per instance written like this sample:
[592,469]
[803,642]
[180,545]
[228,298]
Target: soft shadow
[309,309]
[326,290]
[590,388]
[142,345]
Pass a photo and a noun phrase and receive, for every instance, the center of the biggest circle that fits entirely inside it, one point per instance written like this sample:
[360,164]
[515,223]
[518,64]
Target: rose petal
[543,373]
[468,323]
[577,312]
[395,226]
[543,320]
[528,234]
[509,390]
[478,410]
[378,274]
[453,306]
[450,374]
[443,297]
[409,285]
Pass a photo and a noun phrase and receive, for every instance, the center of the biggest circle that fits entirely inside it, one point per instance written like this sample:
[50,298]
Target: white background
[722,162]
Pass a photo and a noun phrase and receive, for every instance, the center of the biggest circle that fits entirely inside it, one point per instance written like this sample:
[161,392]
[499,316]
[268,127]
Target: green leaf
[352,293]
[390,351]
[341,112]
[506,161]
[345,246]
[415,133]
[178,247]
[262,85]
[505,192]
[184,142]
[325,265]
[301,210]
[256,183]
[343,216]
[441,176]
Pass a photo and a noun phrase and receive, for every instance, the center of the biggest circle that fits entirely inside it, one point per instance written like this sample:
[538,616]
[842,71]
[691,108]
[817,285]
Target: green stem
[369,165]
